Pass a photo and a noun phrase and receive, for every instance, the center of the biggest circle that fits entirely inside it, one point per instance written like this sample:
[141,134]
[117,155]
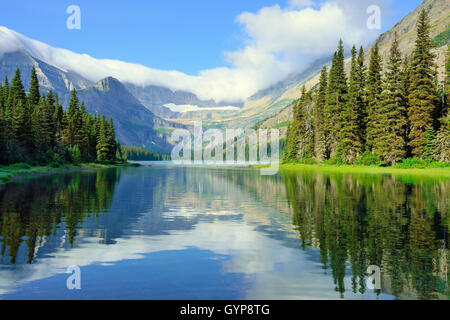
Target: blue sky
[188,36]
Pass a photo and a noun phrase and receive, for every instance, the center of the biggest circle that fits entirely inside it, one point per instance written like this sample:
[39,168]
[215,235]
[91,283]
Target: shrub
[337,161]
[74,154]
[21,165]
[415,163]
[369,159]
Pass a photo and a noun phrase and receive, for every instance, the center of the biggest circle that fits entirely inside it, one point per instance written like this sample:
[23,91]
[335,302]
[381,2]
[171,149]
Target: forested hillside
[393,110]
[35,128]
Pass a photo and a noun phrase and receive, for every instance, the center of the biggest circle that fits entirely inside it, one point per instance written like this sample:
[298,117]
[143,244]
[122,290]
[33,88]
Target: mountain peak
[108,84]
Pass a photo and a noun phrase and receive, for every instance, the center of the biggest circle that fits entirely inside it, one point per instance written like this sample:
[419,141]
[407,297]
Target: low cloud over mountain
[279,41]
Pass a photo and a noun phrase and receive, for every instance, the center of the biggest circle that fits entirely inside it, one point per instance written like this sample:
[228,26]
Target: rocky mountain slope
[50,77]
[135,124]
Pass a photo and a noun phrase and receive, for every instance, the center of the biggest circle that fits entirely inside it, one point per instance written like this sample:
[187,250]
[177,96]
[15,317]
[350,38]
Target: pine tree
[442,152]
[374,89]
[74,104]
[17,92]
[111,141]
[349,145]
[390,139]
[405,86]
[3,134]
[336,99]
[319,130]
[423,96]
[34,95]
[103,147]
[20,131]
[360,84]
[430,145]
[291,153]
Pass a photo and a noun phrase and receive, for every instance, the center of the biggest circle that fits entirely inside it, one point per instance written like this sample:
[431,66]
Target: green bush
[416,163]
[335,161]
[369,159]
[74,154]
[309,161]
[18,166]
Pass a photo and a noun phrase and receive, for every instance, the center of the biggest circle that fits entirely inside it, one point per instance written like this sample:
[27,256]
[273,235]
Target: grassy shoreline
[363,169]
[21,170]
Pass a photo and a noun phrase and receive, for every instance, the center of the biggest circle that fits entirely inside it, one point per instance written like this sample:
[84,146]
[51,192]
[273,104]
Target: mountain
[155,98]
[50,77]
[439,13]
[135,124]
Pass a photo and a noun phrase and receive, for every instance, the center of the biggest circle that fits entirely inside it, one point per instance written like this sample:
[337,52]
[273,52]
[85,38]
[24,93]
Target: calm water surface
[166,232]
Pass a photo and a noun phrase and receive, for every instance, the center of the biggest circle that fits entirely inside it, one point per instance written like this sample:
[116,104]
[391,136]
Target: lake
[171,232]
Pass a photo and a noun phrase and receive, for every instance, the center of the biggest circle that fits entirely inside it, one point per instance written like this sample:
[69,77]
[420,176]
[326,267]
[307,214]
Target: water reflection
[236,234]
[398,223]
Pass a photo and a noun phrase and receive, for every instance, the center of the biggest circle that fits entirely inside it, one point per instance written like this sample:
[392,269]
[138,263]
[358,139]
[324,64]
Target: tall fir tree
[374,89]
[336,99]
[17,91]
[390,141]
[319,129]
[442,152]
[350,146]
[360,84]
[422,96]
[103,147]
[34,95]
[405,86]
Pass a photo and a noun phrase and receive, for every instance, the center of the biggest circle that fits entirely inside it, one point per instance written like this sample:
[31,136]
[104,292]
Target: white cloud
[279,41]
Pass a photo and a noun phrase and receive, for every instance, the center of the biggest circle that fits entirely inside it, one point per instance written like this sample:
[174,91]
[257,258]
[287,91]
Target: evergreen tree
[111,141]
[423,96]
[336,99]
[361,103]
[103,147]
[17,92]
[34,95]
[405,86]
[350,146]
[442,152]
[430,146]
[291,153]
[374,89]
[390,139]
[74,104]
[21,134]
[319,129]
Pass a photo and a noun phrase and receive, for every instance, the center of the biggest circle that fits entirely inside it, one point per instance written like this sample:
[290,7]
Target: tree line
[141,154]
[35,128]
[387,114]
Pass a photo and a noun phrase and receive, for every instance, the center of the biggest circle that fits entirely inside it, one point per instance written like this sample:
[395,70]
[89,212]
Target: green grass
[282,125]
[24,169]
[443,172]
[442,39]
[164,131]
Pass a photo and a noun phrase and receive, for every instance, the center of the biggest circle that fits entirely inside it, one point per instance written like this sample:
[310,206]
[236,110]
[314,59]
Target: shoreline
[363,169]
[19,171]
